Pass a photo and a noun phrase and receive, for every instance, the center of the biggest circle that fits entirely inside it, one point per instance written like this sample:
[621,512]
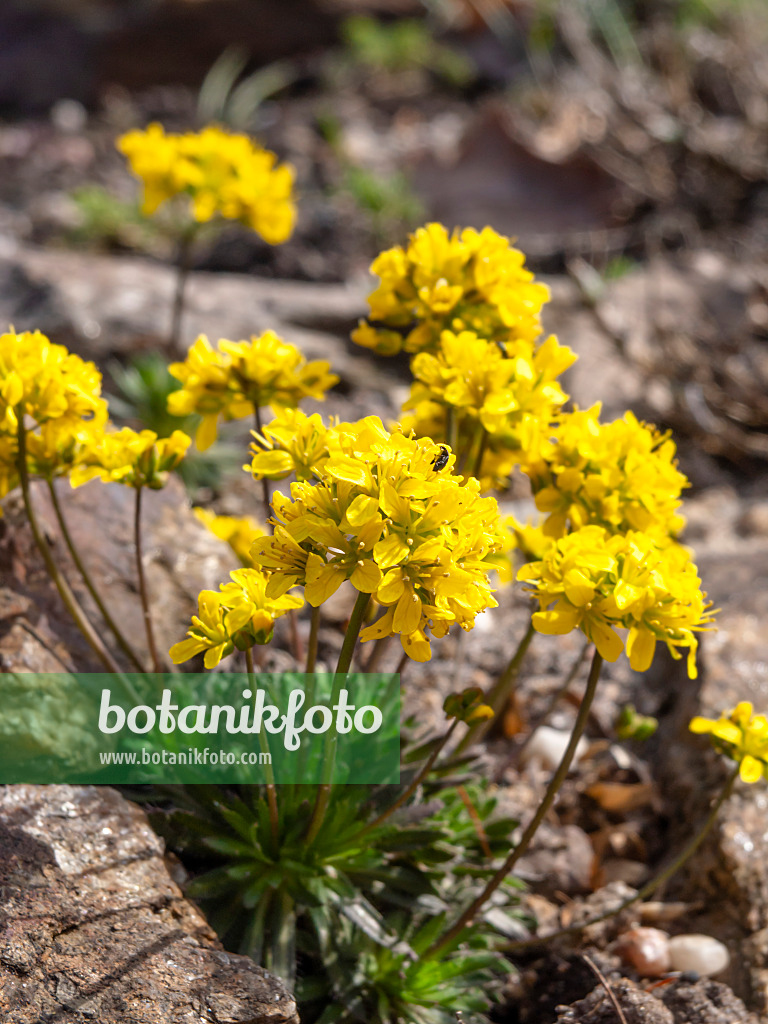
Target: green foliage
[389,201]
[399,46]
[142,388]
[619,266]
[107,222]
[631,725]
[227,99]
[357,906]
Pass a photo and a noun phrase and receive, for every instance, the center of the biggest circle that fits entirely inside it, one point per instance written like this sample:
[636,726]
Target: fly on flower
[440,461]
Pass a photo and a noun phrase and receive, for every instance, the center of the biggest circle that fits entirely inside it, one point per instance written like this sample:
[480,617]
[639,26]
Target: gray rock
[92,927]
[182,558]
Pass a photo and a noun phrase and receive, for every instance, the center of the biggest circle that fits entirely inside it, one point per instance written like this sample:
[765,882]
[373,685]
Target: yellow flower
[238,531]
[469,280]
[237,377]
[740,735]
[134,459]
[46,383]
[293,443]
[600,583]
[389,516]
[621,476]
[223,174]
[239,616]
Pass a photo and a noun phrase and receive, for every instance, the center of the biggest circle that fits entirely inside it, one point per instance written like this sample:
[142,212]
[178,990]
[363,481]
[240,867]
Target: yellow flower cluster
[292,444]
[223,174]
[238,531]
[234,379]
[740,735]
[388,515]
[477,385]
[469,280]
[238,616]
[56,395]
[600,582]
[135,459]
[621,475]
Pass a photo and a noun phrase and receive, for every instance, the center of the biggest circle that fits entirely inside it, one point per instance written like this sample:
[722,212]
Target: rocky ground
[666,173]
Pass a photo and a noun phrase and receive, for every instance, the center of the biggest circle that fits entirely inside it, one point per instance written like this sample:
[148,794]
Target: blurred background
[623,143]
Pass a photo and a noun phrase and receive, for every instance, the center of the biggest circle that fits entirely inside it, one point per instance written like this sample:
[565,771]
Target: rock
[547,746]
[638,1007]
[699,953]
[102,307]
[678,1002]
[182,558]
[645,949]
[93,928]
[704,1002]
[559,861]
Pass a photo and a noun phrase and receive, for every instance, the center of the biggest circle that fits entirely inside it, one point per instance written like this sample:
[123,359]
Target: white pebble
[647,950]
[547,746]
[700,953]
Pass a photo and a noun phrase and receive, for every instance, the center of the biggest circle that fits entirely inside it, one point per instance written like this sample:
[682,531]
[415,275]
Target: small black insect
[503,349]
[440,461]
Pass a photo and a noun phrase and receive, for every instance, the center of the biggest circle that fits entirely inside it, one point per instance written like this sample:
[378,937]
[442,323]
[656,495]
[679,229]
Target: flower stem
[274,820]
[555,783]
[417,781]
[125,647]
[314,628]
[331,737]
[70,602]
[264,481]
[555,699]
[183,266]
[650,887]
[482,445]
[499,692]
[143,592]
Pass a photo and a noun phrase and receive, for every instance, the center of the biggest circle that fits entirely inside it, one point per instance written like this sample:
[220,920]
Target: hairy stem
[555,783]
[125,647]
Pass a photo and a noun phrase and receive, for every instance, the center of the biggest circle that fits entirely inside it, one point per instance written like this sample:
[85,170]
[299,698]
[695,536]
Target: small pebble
[645,949]
[547,746]
[699,953]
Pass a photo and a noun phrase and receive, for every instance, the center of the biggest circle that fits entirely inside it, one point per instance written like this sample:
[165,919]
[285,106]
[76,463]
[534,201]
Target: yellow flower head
[621,475]
[134,459]
[46,383]
[740,735]
[508,391]
[237,617]
[292,444]
[223,174]
[599,583]
[235,378]
[469,280]
[387,514]
[238,531]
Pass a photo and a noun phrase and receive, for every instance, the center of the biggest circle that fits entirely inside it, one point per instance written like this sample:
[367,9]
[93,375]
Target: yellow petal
[750,769]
